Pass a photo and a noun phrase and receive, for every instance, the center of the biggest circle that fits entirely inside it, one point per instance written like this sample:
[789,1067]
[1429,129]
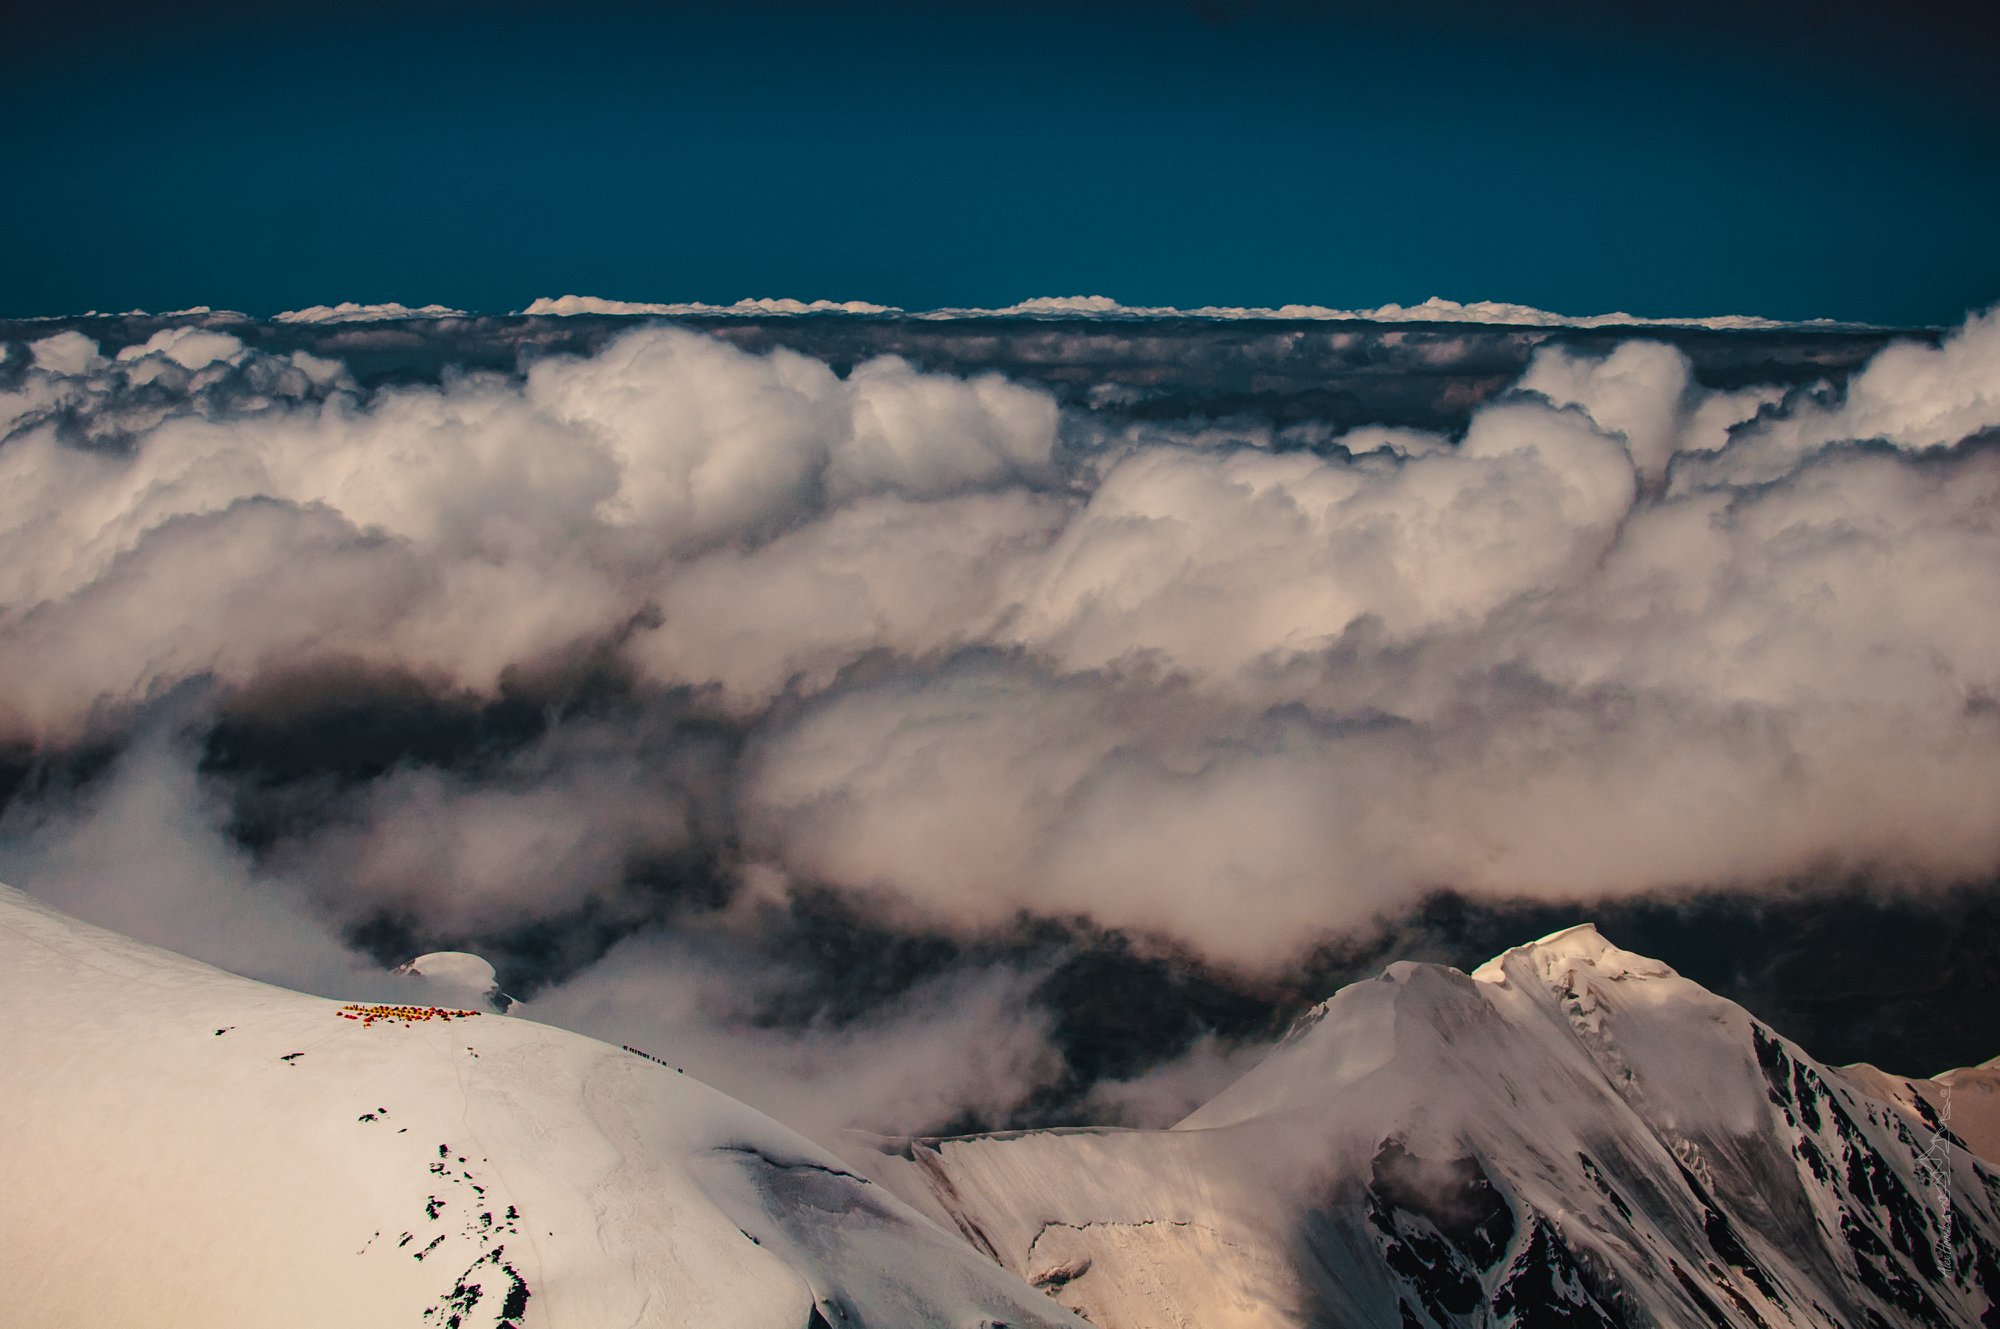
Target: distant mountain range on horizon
[1435,309]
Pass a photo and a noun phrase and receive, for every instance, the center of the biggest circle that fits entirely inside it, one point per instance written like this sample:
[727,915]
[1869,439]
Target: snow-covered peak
[460,967]
[1574,981]
[1573,1136]
[1568,950]
[186,1147]
[458,978]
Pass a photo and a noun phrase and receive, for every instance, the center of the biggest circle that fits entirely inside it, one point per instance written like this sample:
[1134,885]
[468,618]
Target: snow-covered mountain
[1572,1135]
[454,978]
[1967,1100]
[1436,309]
[183,1147]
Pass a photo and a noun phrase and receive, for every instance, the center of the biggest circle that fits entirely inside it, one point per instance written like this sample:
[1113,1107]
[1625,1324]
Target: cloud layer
[957,657]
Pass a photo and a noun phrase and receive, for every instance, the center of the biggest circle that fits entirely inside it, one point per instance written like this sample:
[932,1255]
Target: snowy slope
[1571,1136]
[1966,1100]
[1969,1103]
[185,1147]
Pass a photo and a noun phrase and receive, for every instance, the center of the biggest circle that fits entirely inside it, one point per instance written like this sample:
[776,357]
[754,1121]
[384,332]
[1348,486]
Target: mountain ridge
[191,1147]
[1572,1135]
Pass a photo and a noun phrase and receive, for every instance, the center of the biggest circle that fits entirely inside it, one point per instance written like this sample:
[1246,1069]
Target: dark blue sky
[1781,158]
